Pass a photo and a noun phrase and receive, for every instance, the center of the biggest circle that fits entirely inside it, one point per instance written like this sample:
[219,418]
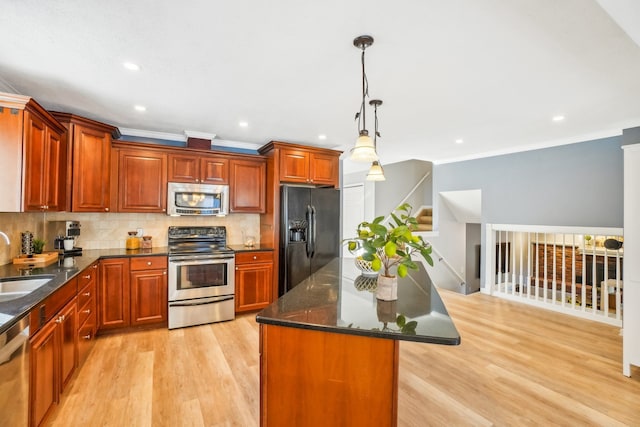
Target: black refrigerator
[309,232]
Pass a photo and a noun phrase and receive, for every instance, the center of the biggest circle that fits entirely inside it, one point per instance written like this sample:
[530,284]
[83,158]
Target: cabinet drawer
[86,295]
[87,275]
[257,256]
[148,263]
[85,312]
[86,336]
[44,311]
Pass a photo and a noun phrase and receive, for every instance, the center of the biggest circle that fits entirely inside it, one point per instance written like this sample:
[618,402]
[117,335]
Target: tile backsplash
[109,230]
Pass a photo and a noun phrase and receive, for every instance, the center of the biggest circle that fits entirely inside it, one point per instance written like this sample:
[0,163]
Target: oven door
[201,276]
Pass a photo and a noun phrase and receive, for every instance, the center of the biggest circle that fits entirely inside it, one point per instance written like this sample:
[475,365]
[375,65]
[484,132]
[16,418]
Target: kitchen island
[329,351]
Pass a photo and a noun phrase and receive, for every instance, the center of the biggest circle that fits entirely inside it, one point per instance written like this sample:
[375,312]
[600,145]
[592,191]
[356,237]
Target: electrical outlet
[140,232]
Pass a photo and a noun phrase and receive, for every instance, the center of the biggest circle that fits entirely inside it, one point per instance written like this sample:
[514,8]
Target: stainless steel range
[201,276]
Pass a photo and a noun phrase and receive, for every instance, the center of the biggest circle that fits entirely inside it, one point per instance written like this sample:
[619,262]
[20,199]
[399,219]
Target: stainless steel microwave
[197,199]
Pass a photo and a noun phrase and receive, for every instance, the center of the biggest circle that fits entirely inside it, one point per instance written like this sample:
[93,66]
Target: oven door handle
[200,261]
[200,301]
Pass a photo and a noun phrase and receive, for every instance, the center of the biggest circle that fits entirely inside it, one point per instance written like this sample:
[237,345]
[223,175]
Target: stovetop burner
[198,240]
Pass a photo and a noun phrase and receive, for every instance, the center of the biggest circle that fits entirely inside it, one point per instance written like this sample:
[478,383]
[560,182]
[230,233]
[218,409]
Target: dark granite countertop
[60,272]
[336,299]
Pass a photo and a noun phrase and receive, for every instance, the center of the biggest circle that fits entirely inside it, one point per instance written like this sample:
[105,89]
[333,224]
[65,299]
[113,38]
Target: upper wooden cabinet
[308,165]
[44,164]
[203,169]
[89,155]
[32,156]
[247,186]
[142,179]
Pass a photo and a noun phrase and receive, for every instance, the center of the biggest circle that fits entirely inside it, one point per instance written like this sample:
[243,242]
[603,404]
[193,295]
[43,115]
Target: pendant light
[364,150]
[375,172]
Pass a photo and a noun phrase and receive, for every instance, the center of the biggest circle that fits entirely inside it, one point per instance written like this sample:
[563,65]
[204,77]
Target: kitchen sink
[17,287]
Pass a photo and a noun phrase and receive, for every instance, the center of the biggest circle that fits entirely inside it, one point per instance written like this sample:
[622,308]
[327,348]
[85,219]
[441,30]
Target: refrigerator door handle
[313,230]
[309,245]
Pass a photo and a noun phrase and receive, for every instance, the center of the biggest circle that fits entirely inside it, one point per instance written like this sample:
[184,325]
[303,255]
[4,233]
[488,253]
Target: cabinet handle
[87,311]
[86,294]
[148,262]
[88,276]
[255,257]
[60,319]
[164,272]
[95,266]
[106,209]
[87,337]
[236,268]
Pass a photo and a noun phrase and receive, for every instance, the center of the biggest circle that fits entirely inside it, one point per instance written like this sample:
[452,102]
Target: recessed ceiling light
[140,108]
[459,141]
[322,137]
[131,66]
[558,118]
[243,124]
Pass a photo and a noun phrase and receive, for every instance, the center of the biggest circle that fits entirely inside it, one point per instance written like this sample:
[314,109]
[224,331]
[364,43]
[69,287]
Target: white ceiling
[491,72]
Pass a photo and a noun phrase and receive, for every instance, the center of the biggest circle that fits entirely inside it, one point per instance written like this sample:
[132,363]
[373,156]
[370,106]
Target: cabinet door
[68,326]
[36,163]
[324,169]
[294,166]
[247,186]
[142,182]
[56,157]
[254,273]
[148,297]
[214,170]
[183,168]
[113,293]
[44,380]
[91,162]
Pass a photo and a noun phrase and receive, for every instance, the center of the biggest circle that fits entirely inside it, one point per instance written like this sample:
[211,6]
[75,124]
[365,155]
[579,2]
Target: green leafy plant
[391,245]
[38,246]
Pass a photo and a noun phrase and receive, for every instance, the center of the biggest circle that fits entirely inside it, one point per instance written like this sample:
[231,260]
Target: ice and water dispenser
[297,231]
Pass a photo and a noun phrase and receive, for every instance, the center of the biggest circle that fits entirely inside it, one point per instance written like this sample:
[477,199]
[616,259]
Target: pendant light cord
[361,116]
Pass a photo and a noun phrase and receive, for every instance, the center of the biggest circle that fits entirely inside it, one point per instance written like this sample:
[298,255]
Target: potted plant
[38,246]
[391,246]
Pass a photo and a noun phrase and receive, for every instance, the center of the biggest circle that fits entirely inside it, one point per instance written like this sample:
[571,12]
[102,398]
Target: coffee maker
[67,233]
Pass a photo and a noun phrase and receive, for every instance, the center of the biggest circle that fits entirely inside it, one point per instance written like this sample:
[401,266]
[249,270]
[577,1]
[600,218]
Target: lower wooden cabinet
[113,294]
[253,280]
[133,292]
[148,290]
[53,361]
[87,310]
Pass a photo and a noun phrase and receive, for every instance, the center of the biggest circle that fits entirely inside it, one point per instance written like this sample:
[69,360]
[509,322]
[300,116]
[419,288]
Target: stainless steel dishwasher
[14,374]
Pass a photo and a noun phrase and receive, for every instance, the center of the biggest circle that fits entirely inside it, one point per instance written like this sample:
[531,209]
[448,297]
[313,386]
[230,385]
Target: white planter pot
[387,288]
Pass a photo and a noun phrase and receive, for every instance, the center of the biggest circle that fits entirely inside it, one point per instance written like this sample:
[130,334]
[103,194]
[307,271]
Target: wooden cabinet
[113,294]
[148,290]
[309,167]
[202,168]
[89,154]
[247,186]
[133,292]
[44,164]
[142,180]
[32,156]
[87,310]
[336,373]
[53,361]
[253,279]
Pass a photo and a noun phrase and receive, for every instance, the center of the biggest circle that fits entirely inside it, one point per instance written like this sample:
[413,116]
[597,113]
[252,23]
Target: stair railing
[439,258]
[413,190]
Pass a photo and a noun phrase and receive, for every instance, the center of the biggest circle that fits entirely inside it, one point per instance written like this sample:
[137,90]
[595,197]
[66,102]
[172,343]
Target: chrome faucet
[6,238]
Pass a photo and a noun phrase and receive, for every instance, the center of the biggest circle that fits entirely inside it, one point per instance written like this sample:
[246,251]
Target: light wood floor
[516,366]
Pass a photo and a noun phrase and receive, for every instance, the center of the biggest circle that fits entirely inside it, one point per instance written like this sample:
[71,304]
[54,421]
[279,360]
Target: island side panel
[311,378]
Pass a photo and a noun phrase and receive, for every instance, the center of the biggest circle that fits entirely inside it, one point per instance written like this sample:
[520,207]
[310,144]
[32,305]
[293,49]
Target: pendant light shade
[376,173]
[365,150]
